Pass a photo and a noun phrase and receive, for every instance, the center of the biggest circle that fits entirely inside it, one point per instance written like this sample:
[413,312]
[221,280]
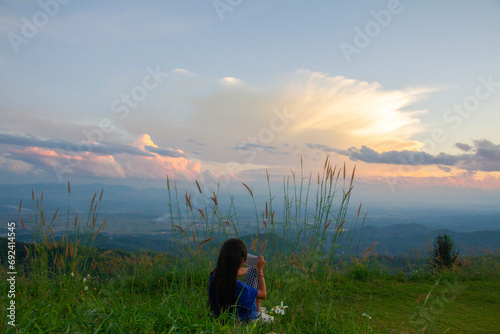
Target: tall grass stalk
[313,234]
[150,292]
[56,255]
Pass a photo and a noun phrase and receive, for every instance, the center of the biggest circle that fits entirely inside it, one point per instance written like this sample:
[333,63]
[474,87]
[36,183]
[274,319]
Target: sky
[129,92]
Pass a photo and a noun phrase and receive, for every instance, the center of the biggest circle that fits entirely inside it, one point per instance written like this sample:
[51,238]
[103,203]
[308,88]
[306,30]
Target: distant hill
[414,240]
[397,245]
[139,218]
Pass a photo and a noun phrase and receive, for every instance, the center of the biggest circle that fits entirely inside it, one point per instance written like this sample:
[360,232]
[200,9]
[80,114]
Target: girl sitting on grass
[227,293]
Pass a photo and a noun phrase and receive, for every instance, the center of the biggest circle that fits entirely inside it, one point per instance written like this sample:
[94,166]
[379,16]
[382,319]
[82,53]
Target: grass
[152,295]
[68,286]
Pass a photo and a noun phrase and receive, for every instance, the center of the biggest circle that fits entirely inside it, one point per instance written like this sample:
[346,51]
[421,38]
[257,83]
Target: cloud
[146,144]
[137,148]
[485,156]
[445,169]
[293,109]
[351,112]
[94,147]
[182,71]
[265,125]
[194,141]
[168,152]
[326,149]
[404,157]
[142,159]
[43,161]
[229,81]
[464,147]
[463,180]
[258,147]
[19,167]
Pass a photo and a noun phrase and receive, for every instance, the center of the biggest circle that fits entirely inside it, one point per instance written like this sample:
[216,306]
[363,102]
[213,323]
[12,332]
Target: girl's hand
[260,264]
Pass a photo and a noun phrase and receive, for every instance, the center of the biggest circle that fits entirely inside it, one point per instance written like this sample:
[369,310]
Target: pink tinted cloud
[462,180]
[36,151]
[120,165]
[158,166]
[81,164]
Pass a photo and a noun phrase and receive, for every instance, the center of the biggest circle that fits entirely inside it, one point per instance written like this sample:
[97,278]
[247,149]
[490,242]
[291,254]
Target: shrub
[361,272]
[443,254]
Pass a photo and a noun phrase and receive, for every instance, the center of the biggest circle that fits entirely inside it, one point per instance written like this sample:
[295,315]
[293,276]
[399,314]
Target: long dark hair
[225,274]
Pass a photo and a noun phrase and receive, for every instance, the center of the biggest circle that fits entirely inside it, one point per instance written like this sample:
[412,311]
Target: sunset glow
[194,97]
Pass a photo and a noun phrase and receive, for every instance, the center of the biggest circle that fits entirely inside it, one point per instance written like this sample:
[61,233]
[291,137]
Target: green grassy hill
[413,239]
[81,285]
[106,291]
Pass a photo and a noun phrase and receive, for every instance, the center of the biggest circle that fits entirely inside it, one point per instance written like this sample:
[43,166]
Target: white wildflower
[278,310]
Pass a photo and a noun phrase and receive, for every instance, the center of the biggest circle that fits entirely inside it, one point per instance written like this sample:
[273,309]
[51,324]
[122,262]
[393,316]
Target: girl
[227,293]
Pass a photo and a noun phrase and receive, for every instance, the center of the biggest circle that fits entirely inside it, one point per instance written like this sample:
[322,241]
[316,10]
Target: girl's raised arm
[261,291]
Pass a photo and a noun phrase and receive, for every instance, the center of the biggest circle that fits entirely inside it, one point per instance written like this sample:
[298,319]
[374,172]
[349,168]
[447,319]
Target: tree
[443,254]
